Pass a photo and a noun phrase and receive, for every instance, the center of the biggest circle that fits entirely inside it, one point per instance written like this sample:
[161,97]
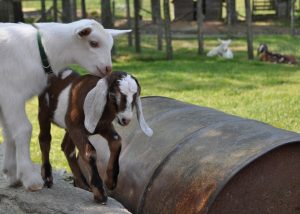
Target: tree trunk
[129,25]
[200,27]
[249,29]
[168,35]
[137,26]
[68,10]
[156,19]
[231,12]
[55,17]
[83,9]
[43,11]
[18,12]
[155,8]
[293,17]
[74,10]
[6,11]
[106,14]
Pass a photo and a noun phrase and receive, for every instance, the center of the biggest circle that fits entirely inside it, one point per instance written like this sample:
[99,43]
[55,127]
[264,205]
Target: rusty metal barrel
[200,160]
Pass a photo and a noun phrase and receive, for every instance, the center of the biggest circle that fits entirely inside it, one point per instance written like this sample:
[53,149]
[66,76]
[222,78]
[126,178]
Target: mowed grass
[250,89]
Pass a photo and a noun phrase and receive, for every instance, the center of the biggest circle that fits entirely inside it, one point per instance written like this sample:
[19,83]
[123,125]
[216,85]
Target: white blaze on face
[128,87]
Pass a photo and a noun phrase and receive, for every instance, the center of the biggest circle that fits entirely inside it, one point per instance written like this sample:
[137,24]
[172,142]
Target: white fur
[144,126]
[66,73]
[222,50]
[127,87]
[22,77]
[94,104]
[62,107]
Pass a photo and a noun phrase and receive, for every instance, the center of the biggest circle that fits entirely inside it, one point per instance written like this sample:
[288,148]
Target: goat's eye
[94,44]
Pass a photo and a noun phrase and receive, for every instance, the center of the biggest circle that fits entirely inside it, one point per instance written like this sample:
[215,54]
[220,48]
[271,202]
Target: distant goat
[265,55]
[222,50]
[26,54]
[85,106]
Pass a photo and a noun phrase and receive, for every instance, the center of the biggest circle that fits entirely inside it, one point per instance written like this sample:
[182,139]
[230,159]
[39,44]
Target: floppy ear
[144,126]
[94,104]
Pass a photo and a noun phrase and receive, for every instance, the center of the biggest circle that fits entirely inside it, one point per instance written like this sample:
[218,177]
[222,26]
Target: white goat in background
[222,50]
[22,76]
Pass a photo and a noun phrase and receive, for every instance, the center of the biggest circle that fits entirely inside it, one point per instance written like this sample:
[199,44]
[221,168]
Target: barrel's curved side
[193,153]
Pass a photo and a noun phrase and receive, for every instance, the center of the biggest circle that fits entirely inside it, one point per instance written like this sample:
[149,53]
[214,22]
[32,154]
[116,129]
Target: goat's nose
[108,69]
[125,121]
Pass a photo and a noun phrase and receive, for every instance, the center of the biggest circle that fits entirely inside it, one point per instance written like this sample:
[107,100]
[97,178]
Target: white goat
[22,76]
[222,50]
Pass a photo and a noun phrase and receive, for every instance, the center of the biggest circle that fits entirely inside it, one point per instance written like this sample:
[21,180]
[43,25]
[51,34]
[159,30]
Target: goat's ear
[140,116]
[115,33]
[94,104]
[83,31]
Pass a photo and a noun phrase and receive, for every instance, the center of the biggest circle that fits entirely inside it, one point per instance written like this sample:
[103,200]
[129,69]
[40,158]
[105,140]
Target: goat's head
[94,46]
[123,90]
[224,44]
[262,48]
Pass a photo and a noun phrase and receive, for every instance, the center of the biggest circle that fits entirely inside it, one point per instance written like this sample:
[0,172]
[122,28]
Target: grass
[250,89]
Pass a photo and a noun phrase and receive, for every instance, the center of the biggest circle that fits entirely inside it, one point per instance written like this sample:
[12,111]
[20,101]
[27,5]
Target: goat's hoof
[101,200]
[32,181]
[48,182]
[100,196]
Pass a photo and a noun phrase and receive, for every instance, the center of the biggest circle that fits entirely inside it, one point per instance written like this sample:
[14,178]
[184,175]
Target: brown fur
[266,56]
[76,133]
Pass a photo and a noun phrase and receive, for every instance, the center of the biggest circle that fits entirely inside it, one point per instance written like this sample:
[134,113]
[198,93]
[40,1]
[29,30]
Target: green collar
[44,58]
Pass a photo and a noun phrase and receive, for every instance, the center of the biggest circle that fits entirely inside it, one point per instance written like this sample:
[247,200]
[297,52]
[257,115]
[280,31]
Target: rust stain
[195,198]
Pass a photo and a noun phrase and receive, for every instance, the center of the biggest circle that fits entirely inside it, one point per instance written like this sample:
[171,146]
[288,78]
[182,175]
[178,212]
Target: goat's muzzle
[124,121]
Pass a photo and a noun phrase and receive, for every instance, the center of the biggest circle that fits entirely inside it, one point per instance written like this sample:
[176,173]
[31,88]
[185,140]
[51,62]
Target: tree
[293,17]
[168,36]
[43,11]
[6,11]
[83,9]
[106,14]
[137,25]
[200,26]
[69,10]
[18,12]
[231,12]
[249,29]
[129,25]
[155,9]
[55,11]
[156,19]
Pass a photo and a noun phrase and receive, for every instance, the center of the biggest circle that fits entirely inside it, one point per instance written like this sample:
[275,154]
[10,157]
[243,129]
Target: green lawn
[251,89]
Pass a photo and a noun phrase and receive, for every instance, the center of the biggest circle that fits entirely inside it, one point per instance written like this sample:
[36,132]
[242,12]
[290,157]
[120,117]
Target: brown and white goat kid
[267,56]
[84,106]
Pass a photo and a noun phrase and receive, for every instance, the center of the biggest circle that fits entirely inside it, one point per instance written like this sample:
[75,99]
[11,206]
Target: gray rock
[61,198]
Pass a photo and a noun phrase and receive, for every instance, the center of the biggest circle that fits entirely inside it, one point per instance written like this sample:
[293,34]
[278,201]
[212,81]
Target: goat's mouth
[100,72]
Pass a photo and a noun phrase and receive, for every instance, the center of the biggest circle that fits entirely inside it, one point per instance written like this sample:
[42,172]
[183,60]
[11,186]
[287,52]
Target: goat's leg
[45,140]
[88,154]
[114,143]
[9,163]
[68,148]
[20,128]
